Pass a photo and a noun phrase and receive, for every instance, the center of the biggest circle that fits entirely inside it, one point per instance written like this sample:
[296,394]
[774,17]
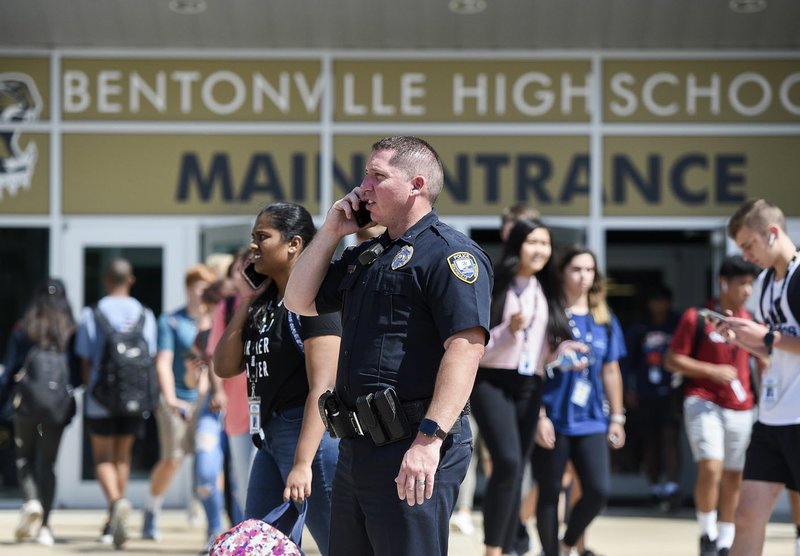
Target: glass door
[159,253]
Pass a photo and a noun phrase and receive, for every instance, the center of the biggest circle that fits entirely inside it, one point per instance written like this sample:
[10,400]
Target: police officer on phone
[415,316]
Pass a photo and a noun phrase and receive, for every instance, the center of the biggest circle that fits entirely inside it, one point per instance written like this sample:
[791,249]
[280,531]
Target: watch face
[428,427]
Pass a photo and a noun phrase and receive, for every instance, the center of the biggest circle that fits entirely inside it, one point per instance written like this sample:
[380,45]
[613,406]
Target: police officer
[415,315]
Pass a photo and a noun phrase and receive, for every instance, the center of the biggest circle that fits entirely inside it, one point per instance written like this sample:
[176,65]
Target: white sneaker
[106,538]
[30,517]
[45,536]
[120,513]
[462,521]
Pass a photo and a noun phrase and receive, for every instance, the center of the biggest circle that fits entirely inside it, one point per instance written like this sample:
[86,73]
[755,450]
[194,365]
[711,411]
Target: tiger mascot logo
[20,103]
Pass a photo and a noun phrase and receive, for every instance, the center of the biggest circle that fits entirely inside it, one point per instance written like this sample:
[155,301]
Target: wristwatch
[769,339]
[431,429]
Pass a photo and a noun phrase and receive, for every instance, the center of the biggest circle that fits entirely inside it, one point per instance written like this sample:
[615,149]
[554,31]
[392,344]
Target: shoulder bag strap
[294,327]
[699,334]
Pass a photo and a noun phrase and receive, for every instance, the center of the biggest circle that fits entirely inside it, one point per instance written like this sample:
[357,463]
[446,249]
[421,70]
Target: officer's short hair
[415,156]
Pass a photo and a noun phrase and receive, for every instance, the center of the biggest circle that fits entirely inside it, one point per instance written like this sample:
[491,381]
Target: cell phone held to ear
[362,215]
[253,278]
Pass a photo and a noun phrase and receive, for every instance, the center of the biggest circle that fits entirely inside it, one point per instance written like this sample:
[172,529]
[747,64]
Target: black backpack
[43,389]
[127,385]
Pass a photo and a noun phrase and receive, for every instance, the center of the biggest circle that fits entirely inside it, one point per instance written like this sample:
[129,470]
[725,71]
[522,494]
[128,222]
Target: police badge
[464,266]
[402,257]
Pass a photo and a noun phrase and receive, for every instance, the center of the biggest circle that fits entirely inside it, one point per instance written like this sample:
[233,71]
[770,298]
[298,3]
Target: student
[507,392]
[112,436]
[718,405]
[759,229]
[179,370]
[290,362]
[236,420]
[649,389]
[572,421]
[47,324]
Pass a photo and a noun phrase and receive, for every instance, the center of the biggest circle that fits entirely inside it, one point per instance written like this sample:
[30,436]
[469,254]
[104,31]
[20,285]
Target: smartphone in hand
[362,215]
[713,316]
[253,278]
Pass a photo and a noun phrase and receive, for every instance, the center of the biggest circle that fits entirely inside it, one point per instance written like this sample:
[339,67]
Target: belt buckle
[356,423]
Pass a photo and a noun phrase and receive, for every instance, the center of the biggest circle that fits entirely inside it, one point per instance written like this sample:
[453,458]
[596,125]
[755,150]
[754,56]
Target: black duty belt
[376,416]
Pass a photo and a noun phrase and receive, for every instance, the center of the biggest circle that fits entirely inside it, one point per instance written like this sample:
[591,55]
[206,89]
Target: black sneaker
[724,552]
[707,546]
[522,543]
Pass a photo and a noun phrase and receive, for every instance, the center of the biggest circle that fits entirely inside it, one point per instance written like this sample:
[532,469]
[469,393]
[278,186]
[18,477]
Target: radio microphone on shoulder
[368,257]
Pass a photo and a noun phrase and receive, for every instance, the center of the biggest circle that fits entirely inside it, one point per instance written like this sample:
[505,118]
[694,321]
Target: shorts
[114,426]
[717,433]
[175,434]
[774,454]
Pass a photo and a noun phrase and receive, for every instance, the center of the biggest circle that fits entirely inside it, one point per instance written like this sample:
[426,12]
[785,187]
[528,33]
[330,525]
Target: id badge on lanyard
[581,392]
[526,366]
[769,390]
[254,404]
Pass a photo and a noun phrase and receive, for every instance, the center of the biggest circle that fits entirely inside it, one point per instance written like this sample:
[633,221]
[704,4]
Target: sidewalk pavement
[618,532]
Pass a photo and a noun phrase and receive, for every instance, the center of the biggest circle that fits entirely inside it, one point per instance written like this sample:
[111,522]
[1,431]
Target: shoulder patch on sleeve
[464,266]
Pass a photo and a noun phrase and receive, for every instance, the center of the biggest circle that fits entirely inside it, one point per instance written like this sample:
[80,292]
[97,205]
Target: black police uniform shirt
[397,312]
[272,355]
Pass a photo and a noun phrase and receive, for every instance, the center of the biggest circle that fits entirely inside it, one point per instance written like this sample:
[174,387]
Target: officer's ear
[417,183]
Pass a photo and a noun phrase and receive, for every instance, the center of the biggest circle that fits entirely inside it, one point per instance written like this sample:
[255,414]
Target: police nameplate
[402,257]
[464,266]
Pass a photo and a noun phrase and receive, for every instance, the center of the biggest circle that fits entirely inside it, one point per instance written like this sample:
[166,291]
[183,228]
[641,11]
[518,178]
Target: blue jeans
[208,461]
[271,468]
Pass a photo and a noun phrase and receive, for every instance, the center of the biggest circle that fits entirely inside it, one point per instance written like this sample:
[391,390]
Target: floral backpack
[262,537]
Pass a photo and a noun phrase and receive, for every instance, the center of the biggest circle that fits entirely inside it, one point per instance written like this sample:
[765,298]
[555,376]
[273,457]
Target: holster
[339,422]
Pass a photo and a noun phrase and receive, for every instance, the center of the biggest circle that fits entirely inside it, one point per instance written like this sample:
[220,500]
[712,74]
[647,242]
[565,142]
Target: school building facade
[165,157]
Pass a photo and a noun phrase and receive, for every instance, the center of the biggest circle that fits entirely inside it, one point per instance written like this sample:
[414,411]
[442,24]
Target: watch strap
[769,341]
[431,429]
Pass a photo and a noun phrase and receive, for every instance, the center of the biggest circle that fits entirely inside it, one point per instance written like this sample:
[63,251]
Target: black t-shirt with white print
[273,358]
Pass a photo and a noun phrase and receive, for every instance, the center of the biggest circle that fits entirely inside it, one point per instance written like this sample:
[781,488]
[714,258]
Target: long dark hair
[507,268]
[290,220]
[48,321]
